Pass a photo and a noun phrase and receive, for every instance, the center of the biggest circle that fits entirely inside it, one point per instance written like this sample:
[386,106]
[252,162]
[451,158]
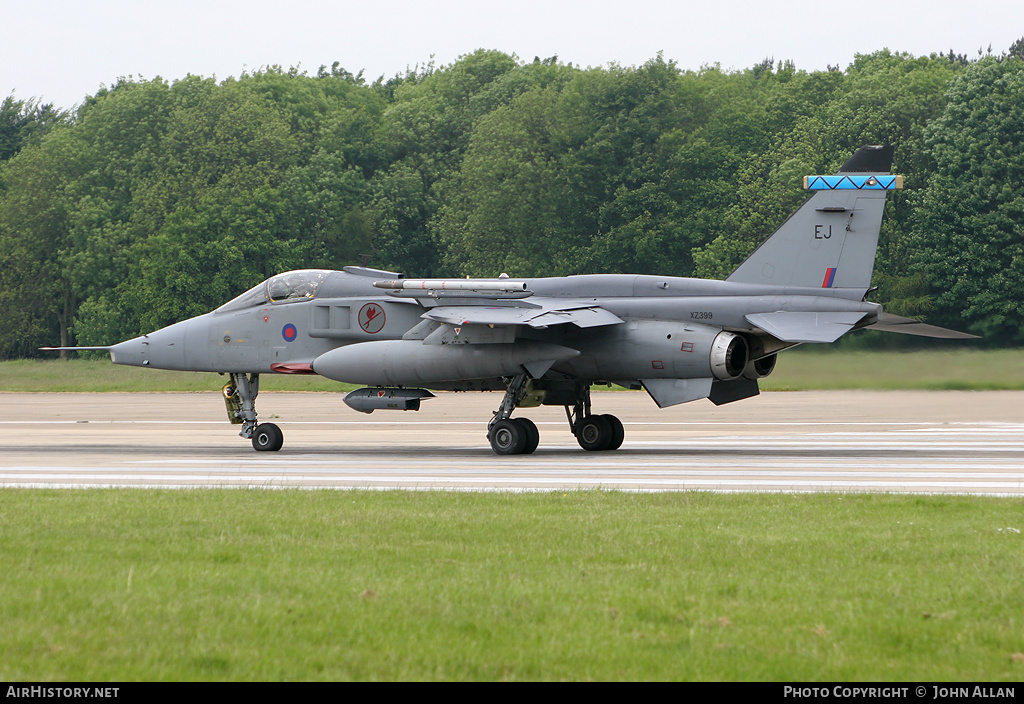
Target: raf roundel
[289,333]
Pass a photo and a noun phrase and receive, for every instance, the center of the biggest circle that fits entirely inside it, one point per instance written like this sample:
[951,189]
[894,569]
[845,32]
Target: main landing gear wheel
[267,438]
[514,436]
[594,433]
[597,433]
[618,432]
[532,435]
[507,437]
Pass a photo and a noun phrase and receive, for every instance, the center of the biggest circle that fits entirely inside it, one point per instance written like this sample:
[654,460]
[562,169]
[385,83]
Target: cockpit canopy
[291,286]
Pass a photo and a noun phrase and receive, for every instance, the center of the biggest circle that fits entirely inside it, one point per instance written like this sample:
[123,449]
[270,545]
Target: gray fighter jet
[549,340]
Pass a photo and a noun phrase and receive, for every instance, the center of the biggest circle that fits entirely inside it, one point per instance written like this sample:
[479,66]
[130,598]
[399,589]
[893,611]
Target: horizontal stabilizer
[806,327]
[908,326]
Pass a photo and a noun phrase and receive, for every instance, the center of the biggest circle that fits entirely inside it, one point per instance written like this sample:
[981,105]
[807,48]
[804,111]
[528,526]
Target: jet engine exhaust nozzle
[729,354]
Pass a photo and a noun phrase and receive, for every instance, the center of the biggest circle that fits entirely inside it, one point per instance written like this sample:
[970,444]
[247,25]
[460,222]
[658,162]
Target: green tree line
[157,200]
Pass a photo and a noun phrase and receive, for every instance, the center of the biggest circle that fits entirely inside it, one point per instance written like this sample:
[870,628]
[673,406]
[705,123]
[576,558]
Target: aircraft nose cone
[163,349]
[134,352]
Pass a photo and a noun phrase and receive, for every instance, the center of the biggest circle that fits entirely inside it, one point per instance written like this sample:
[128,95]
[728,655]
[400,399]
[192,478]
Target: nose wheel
[267,437]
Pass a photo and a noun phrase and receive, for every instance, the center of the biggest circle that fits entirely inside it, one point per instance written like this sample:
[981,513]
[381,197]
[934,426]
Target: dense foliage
[159,200]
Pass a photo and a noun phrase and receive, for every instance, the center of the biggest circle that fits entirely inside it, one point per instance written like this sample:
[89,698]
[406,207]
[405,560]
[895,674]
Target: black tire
[618,432]
[508,437]
[267,438]
[595,433]
[532,435]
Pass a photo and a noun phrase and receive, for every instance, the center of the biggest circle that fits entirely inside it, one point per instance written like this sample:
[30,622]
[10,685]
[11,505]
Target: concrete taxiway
[900,441]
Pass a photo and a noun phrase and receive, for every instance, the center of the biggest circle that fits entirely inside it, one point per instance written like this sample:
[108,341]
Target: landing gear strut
[594,433]
[513,436]
[519,436]
[240,398]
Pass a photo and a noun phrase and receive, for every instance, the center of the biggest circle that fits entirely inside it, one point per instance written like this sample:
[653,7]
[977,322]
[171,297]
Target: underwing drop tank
[411,363]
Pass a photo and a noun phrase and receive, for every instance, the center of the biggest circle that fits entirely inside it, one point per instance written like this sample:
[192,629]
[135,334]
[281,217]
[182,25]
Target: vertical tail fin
[830,241]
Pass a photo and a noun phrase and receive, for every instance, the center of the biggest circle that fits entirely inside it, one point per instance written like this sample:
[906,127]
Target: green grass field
[131,585]
[240,585]
[954,369]
[799,369]
[99,375]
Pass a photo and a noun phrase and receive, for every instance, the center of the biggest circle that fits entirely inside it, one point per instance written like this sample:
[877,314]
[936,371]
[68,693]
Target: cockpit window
[295,285]
[284,288]
[256,296]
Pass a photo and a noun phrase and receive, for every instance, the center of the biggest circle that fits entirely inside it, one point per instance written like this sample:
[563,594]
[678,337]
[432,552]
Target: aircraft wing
[806,327]
[538,312]
[541,314]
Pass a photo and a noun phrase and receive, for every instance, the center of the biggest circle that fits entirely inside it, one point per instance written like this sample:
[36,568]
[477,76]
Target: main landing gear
[513,436]
[519,436]
[240,399]
[507,435]
[594,433]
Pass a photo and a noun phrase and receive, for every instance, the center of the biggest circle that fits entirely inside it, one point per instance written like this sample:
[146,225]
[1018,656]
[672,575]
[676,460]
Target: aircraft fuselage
[660,314]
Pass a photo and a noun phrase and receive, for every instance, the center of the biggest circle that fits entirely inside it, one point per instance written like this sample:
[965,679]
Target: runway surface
[927,442]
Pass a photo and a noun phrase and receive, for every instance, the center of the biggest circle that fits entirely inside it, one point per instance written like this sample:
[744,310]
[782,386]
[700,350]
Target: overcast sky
[63,50]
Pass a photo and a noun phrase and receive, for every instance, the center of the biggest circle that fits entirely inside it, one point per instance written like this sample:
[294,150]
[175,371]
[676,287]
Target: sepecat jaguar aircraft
[549,340]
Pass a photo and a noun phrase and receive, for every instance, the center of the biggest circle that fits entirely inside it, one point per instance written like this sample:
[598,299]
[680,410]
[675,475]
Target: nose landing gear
[240,399]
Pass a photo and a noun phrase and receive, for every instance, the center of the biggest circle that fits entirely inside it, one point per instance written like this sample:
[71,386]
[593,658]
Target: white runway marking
[772,448]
